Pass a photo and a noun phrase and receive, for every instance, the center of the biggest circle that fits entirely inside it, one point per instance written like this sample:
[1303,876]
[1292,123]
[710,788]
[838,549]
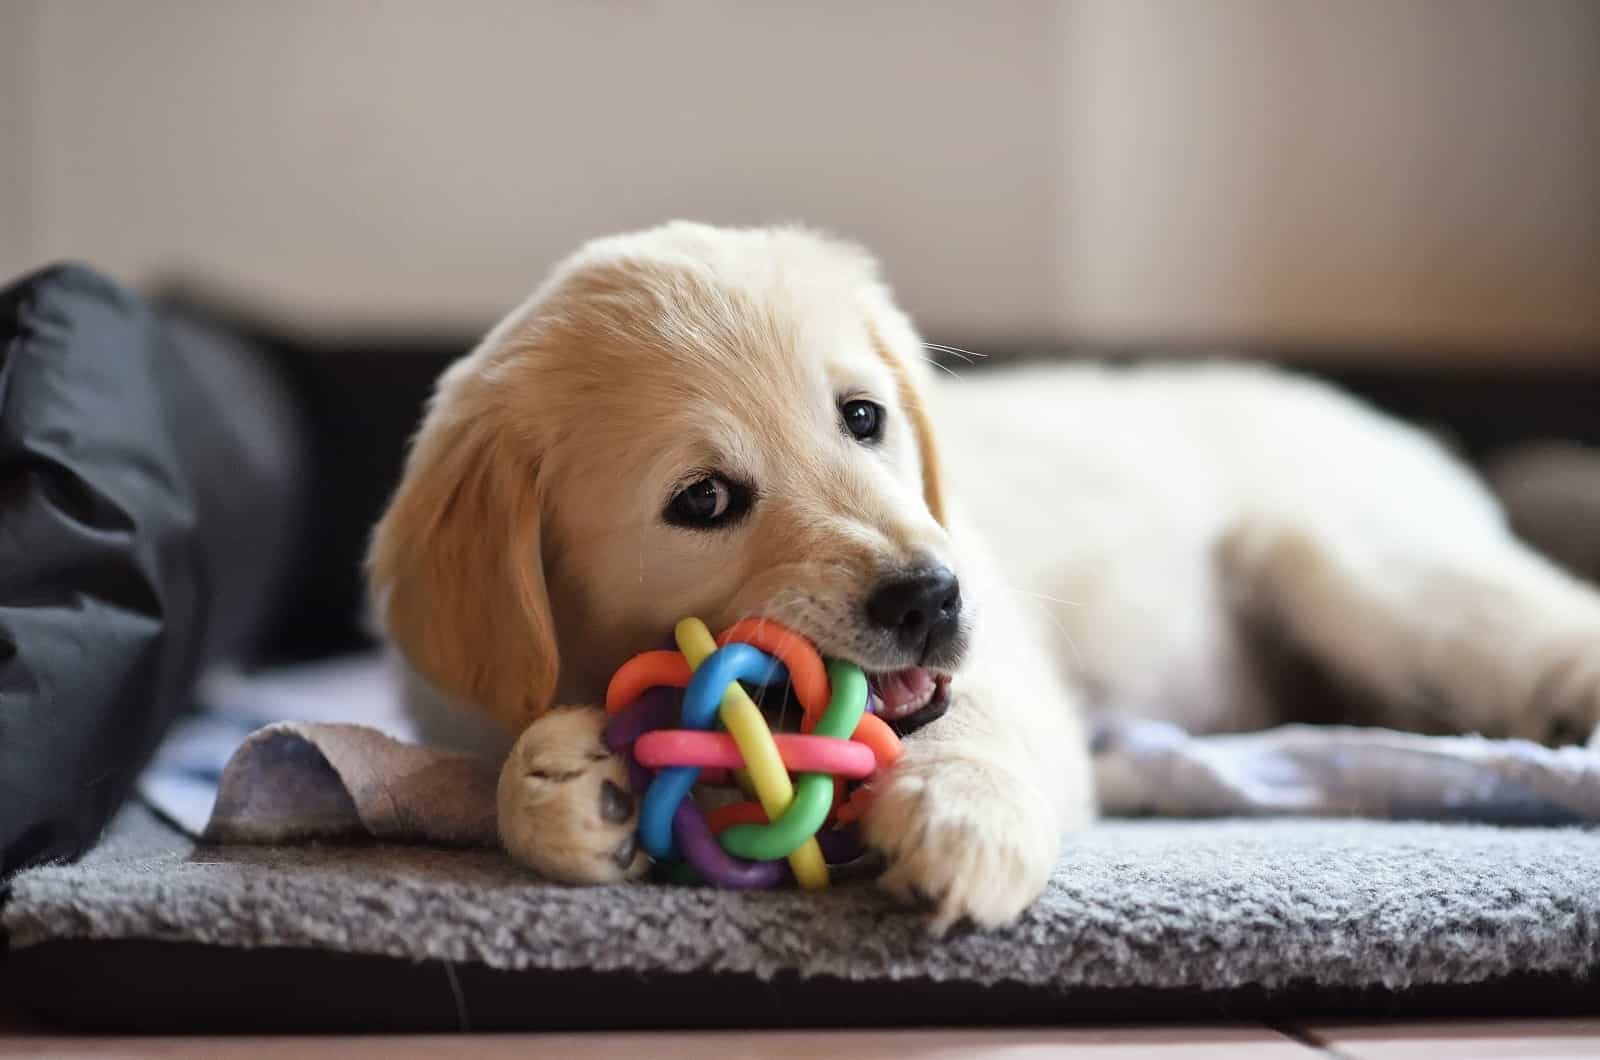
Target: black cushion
[150,491]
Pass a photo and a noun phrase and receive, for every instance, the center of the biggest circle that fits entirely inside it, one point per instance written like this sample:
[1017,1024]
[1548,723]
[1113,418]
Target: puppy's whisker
[956,351]
[953,349]
[960,356]
[1072,645]
[1041,596]
[946,369]
[1055,620]
[783,710]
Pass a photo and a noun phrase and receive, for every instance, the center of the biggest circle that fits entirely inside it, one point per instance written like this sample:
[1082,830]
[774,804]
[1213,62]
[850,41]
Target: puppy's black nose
[920,608]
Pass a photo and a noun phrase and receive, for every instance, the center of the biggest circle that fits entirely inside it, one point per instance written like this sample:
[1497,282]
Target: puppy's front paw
[964,835]
[565,810]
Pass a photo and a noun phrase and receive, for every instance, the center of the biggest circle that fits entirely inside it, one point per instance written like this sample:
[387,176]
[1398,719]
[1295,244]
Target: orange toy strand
[876,734]
[647,670]
[852,808]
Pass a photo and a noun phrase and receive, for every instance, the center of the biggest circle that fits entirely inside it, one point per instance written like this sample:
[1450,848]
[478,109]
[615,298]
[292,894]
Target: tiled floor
[1394,1041]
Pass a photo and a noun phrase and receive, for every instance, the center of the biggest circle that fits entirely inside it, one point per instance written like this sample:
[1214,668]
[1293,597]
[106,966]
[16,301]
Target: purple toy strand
[657,708]
[700,849]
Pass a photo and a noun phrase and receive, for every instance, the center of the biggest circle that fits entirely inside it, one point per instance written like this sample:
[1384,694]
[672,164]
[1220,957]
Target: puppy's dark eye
[708,502]
[863,419]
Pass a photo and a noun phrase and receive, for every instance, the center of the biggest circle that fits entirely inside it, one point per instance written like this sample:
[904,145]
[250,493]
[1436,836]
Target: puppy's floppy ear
[455,563]
[909,384]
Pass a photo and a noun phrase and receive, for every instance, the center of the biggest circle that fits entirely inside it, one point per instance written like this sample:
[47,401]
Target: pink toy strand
[801,754]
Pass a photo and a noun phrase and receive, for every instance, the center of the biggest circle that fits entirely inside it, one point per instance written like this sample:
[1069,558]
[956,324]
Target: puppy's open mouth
[911,698]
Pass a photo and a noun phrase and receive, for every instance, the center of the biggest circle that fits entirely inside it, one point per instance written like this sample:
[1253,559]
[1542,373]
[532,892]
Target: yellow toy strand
[749,730]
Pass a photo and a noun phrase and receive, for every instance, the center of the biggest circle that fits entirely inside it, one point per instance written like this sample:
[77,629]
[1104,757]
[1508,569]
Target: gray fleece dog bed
[1143,918]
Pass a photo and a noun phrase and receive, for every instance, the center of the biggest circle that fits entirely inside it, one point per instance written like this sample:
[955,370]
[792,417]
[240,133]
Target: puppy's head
[686,421]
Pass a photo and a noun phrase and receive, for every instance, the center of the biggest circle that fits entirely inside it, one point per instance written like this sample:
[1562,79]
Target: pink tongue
[903,687]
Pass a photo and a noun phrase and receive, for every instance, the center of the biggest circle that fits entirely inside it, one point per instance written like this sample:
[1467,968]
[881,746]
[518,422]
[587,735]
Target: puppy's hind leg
[1486,637]
[565,810]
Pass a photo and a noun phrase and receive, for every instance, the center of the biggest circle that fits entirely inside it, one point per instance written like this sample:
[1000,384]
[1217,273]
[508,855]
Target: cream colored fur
[1115,532]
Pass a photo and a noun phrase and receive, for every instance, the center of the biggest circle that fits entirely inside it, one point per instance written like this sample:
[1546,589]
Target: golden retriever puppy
[693,421]
[724,423]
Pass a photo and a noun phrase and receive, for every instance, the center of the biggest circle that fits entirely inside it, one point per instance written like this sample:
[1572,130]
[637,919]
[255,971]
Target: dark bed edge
[134,986]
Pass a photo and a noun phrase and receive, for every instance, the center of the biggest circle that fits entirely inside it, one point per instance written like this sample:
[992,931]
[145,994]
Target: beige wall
[1370,171]
[1389,172]
[16,237]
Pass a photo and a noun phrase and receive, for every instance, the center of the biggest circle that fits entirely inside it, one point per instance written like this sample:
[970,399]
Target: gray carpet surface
[1153,904]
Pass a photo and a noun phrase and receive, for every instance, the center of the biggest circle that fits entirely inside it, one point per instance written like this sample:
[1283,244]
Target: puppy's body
[1109,493]
[1124,539]
[1182,528]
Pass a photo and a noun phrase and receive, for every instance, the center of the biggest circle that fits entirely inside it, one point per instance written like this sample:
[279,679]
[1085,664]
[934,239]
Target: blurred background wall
[1371,176]
[16,238]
